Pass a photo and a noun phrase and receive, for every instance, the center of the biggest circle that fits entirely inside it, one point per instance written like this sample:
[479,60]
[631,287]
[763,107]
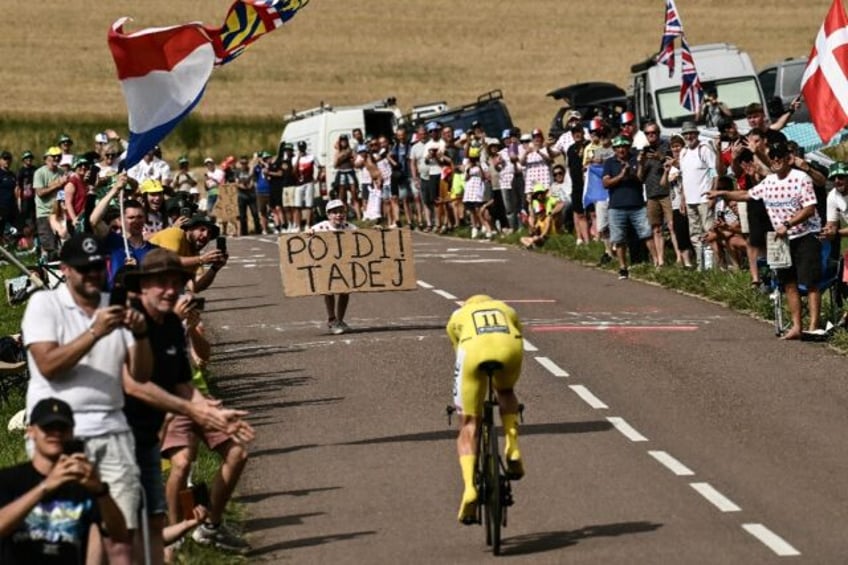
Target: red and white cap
[627,117]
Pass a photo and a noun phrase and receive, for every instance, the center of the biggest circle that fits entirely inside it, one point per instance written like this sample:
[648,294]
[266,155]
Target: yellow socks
[510,424]
[468,506]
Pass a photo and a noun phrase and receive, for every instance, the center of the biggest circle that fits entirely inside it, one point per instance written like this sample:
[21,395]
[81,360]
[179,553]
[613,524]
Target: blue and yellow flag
[247,21]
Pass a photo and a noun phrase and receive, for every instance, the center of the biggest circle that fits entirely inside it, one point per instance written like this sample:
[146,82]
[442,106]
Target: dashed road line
[588,397]
[717,499]
[423,284]
[529,346]
[626,429]
[444,294]
[552,367]
[671,463]
[774,542]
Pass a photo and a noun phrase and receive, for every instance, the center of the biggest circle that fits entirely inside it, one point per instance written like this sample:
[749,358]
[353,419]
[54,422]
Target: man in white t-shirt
[698,173]
[790,202]
[837,203]
[77,347]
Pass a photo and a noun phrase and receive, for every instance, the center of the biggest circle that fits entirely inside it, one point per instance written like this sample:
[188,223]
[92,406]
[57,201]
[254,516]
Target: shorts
[386,192]
[262,203]
[149,459]
[659,211]
[470,206]
[363,191]
[430,190]
[758,223]
[114,457]
[276,196]
[181,430]
[46,237]
[345,178]
[469,387]
[289,196]
[620,218]
[405,189]
[304,196]
[806,269]
[577,199]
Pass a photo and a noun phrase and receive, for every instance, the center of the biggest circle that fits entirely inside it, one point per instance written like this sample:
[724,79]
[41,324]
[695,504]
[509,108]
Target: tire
[483,487]
[494,508]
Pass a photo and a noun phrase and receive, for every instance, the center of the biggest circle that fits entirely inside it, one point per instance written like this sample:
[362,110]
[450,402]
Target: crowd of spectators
[118,355]
[118,358]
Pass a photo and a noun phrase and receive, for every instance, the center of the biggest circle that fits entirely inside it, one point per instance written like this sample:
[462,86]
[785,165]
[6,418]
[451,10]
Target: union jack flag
[691,92]
[247,21]
[673,28]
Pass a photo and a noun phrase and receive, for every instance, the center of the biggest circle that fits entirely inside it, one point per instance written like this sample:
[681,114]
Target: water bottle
[708,258]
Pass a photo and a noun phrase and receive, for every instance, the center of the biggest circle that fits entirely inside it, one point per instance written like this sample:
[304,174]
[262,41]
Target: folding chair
[830,285]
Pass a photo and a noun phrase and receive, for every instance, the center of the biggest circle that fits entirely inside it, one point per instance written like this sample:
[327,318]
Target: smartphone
[73,446]
[118,296]
[222,244]
[185,212]
[198,303]
[186,499]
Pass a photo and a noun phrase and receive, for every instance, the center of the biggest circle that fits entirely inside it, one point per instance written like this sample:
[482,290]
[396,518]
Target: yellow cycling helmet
[474,153]
[151,185]
[477,298]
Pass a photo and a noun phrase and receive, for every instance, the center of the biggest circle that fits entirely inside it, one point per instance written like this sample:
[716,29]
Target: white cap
[101,138]
[208,160]
[333,204]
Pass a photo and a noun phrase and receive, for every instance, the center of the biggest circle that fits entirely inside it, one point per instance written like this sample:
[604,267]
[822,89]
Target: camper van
[721,67]
[321,127]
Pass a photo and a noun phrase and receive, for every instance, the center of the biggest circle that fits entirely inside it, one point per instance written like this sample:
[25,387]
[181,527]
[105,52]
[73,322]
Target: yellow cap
[53,152]
[151,185]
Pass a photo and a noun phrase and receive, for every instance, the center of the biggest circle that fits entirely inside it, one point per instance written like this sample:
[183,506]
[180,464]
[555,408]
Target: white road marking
[464,261]
[422,284]
[773,541]
[249,266]
[475,249]
[529,346]
[626,429]
[717,499]
[671,463]
[552,367]
[588,397]
[444,294]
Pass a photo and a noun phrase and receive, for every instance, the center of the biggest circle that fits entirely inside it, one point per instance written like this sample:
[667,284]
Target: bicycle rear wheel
[494,509]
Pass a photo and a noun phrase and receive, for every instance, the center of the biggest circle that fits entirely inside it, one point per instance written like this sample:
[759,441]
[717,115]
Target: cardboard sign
[367,260]
[226,207]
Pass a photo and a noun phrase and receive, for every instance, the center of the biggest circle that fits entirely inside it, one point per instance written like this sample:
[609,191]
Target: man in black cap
[78,346]
[58,481]
[187,241]
[26,193]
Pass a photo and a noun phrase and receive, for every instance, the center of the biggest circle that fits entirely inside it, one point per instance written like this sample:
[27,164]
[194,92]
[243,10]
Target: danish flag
[824,84]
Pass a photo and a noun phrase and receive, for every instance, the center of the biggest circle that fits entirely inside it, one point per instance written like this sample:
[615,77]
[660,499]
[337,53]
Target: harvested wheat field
[56,60]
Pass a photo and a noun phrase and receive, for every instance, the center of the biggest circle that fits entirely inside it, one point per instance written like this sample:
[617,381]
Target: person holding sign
[485,329]
[790,202]
[336,307]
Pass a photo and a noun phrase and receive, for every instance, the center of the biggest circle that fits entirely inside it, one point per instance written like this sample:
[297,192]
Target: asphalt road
[659,428]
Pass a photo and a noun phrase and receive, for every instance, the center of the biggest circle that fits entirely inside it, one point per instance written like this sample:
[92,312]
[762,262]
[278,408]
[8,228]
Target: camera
[73,446]
[221,243]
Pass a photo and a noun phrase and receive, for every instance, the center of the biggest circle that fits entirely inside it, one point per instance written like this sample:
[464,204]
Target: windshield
[735,93]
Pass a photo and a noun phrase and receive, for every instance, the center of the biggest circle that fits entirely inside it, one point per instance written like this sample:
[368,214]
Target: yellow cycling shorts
[469,386]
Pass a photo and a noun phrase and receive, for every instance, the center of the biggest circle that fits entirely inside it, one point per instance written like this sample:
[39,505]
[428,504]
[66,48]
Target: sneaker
[474,233]
[623,274]
[605,259]
[336,328]
[514,469]
[220,536]
[340,325]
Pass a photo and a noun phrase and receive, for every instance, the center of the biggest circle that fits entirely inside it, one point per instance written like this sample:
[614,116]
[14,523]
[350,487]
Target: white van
[721,67]
[322,126]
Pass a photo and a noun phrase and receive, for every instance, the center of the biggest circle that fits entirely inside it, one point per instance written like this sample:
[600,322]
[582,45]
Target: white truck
[721,67]
[320,127]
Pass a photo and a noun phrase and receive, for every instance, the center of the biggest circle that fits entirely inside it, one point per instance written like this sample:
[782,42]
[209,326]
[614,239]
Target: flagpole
[123,227]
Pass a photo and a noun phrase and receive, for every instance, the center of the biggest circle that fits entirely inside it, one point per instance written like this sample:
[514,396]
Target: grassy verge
[12,446]
[730,288]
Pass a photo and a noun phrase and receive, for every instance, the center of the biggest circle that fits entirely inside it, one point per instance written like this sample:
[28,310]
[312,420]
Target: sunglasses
[92,268]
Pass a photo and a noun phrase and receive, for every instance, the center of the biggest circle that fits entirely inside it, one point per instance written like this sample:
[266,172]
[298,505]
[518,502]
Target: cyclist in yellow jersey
[485,329]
